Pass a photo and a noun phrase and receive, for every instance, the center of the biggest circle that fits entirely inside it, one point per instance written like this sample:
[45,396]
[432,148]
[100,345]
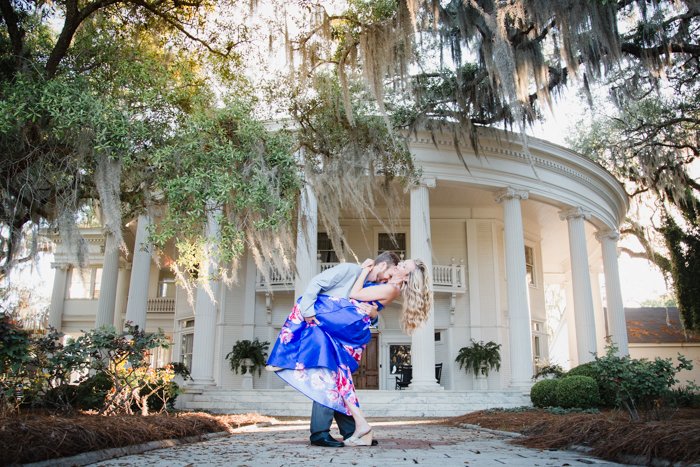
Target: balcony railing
[446,278]
[161,305]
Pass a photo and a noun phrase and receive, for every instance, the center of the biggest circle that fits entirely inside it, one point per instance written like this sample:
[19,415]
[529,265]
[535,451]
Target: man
[338,281]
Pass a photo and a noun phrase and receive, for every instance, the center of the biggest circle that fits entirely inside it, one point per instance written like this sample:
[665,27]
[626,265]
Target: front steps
[407,403]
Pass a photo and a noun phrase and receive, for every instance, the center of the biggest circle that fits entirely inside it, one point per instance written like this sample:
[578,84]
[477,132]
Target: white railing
[161,305]
[449,277]
[277,280]
[446,278]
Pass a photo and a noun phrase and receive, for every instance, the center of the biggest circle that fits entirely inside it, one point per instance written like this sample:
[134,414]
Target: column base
[425,386]
[523,386]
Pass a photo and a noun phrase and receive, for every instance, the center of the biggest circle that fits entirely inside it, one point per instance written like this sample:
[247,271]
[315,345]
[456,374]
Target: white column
[423,339]
[108,286]
[519,331]
[617,327]
[137,304]
[206,310]
[307,240]
[58,295]
[249,297]
[122,292]
[584,314]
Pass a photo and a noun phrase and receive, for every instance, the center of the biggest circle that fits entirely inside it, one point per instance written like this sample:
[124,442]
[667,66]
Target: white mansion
[495,234]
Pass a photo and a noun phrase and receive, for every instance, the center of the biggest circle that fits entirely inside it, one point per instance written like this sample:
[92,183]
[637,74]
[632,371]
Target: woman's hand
[368,263]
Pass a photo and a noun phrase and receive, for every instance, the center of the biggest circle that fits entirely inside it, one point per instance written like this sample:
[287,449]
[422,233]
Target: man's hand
[310,319]
[369,309]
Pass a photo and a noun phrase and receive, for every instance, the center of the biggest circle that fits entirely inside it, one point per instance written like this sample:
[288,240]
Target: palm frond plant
[480,357]
[248,355]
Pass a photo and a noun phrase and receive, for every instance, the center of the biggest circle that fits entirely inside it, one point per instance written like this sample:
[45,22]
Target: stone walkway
[400,443]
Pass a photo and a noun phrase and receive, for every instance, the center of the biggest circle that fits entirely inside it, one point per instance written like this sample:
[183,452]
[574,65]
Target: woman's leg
[363,431]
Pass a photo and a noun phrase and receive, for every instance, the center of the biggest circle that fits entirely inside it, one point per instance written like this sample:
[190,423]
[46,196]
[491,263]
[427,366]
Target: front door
[367,375]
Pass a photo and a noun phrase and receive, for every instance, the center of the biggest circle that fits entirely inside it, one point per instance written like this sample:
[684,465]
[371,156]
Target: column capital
[574,213]
[607,234]
[427,182]
[511,193]
[60,266]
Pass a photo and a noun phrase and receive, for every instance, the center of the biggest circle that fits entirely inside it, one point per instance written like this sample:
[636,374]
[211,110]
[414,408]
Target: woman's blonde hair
[417,298]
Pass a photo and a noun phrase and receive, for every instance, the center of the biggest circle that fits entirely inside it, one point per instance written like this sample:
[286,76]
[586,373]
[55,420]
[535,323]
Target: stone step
[288,402]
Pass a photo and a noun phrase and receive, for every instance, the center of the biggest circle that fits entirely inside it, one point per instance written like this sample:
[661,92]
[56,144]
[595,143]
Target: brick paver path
[400,443]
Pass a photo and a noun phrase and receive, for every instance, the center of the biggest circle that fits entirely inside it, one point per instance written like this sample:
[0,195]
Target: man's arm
[326,280]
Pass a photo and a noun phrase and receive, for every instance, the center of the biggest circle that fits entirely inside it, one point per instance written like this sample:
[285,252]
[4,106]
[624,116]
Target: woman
[318,358]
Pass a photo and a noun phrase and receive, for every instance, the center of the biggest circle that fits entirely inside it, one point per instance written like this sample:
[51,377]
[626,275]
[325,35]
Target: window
[166,284]
[538,341]
[326,253]
[399,355]
[85,283]
[186,343]
[530,265]
[395,243]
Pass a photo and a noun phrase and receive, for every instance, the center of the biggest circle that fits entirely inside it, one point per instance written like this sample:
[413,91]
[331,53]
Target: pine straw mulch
[37,436]
[609,435]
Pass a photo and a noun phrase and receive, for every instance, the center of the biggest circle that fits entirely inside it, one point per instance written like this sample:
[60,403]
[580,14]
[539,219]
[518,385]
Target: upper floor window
[326,252]
[530,265]
[166,284]
[85,283]
[395,243]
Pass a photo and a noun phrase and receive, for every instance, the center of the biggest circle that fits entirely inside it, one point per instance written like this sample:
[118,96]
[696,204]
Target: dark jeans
[321,419]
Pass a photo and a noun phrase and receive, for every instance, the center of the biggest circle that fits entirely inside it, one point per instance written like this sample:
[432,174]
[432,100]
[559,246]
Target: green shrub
[605,389]
[577,391]
[585,369]
[544,393]
[640,385]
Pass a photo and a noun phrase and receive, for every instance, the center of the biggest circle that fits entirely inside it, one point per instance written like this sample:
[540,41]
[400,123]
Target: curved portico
[496,227]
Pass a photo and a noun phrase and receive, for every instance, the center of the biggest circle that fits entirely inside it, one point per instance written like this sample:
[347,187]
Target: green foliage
[577,391]
[226,164]
[254,350]
[639,385]
[563,411]
[546,370]
[122,357]
[14,357]
[585,369]
[480,357]
[591,369]
[684,248]
[544,393]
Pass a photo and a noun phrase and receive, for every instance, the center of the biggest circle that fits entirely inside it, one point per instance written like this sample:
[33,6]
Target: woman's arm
[357,286]
[383,292]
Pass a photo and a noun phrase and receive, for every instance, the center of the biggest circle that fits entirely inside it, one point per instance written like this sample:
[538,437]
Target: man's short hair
[389,257]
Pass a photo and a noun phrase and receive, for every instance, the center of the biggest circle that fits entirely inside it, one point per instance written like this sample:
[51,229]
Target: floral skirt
[318,359]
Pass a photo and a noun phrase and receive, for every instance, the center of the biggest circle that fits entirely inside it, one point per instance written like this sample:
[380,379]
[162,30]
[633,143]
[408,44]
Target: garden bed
[38,436]
[609,435]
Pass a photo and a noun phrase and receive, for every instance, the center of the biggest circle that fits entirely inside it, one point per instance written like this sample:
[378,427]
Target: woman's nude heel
[363,440]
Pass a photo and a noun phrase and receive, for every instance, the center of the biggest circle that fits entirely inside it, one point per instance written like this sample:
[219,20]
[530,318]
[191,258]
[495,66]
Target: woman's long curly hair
[417,298]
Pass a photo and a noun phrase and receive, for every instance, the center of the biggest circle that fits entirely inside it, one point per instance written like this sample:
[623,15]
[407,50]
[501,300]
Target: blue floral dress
[318,359]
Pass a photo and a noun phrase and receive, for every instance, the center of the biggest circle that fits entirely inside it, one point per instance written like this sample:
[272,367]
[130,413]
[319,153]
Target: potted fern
[480,358]
[248,356]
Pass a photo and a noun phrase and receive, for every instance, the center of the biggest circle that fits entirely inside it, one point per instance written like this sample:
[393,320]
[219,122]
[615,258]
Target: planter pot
[247,381]
[482,383]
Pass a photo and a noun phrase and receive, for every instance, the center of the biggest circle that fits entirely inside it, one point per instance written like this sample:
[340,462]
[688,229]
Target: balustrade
[161,305]
[446,278]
